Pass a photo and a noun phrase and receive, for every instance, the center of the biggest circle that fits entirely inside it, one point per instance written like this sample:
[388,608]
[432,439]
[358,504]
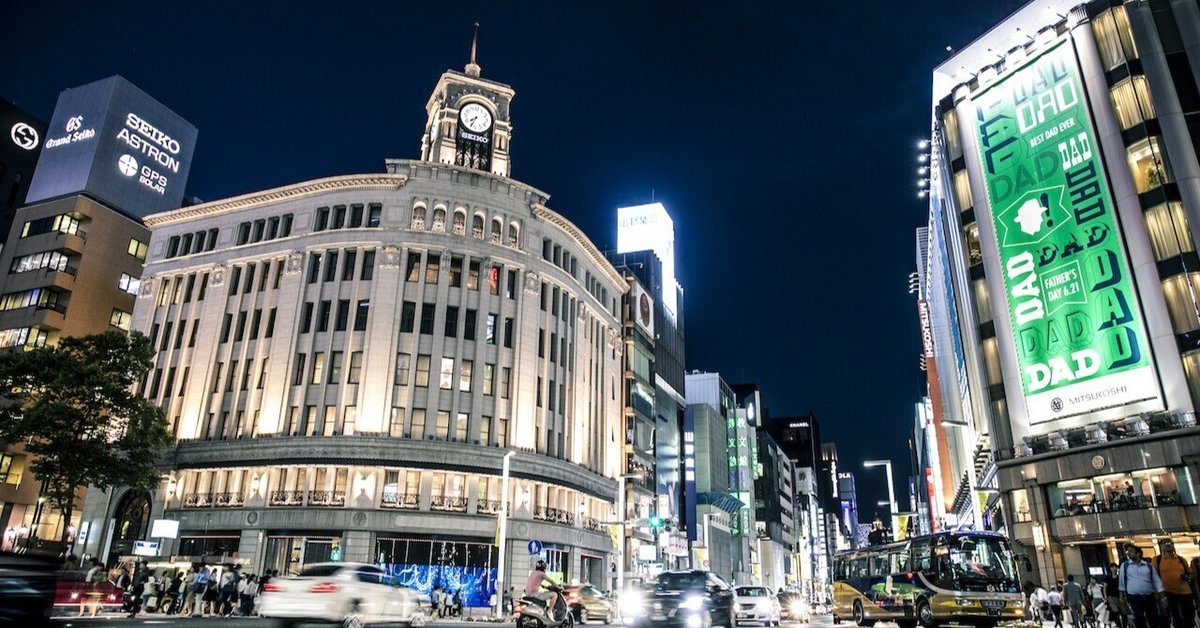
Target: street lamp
[623,517]
[503,535]
[887,465]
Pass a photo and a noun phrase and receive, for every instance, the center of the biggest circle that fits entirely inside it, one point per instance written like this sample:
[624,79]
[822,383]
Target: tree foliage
[75,408]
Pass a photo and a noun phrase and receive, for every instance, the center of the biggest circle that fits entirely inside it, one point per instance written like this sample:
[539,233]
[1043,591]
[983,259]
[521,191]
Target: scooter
[532,612]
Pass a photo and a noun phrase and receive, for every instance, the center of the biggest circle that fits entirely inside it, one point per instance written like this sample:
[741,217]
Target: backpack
[1187,573]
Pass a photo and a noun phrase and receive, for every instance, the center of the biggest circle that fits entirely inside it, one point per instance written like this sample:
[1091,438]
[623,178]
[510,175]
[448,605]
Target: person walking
[228,592]
[1177,584]
[137,588]
[1118,611]
[1074,600]
[247,589]
[1055,598]
[1141,588]
[197,591]
[1095,594]
[95,575]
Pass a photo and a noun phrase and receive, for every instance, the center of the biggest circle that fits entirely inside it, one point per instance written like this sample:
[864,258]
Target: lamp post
[623,518]
[503,535]
[887,465]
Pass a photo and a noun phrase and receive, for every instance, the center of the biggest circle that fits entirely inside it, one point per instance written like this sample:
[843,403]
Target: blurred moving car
[350,594]
[691,599]
[793,607]
[589,603]
[756,606]
[73,594]
[26,590]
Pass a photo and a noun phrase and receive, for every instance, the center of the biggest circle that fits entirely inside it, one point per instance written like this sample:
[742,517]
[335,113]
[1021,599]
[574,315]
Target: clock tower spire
[468,121]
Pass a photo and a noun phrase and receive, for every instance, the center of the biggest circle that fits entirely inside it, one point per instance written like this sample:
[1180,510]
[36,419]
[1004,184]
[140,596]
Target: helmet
[540,566]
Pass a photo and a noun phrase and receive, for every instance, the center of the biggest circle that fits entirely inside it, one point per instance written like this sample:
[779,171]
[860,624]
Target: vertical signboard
[1081,344]
[113,141]
[689,470]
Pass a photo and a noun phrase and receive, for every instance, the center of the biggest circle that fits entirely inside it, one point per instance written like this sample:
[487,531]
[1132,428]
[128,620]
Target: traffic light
[656,523]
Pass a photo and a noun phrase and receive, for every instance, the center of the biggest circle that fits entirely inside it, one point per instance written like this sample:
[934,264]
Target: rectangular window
[241,327]
[464,375]
[485,435]
[473,276]
[350,257]
[502,432]
[456,264]
[422,370]
[355,367]
[306,316]
[374,213]
[469,323]
[539,392]
[368,266]
[1114,37]
[273,227]
[323,316]
[443,426]
[541,343]
[508,333]
[120,319]
[270,324]
[489,375]
[396,424]
[235,280]
[339,216]
[255,322]
[356,216]
[408,314]
[1170,233]
[417,431]
[335,367]
[361,311]
[1148,164]
[451,327]
[246,374]
[447,374]
[460,427]
[433,265]
[401,376]
[262,374]
[328,423]
[314,267]
[322,221]
[494,280]
[195,330]
[310,422]
[1131,102]
[505,382]
[129,283]
[343,315]
[331,262]
[318,369]
[510,288]
[203,287]
[428,311]
[138,249]
[249,285]
[414,267]
[1181,306]
[490,334]
[231,376]
[191,284]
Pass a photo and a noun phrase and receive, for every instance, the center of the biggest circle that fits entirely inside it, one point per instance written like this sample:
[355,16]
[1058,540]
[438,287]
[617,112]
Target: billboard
[116,143]
[1081,344]
[642,309]
[650,228]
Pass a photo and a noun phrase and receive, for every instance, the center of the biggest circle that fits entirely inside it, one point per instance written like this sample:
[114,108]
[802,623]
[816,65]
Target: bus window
[900,561]
[920,551]
[879,565]
[858,568]
[839,568]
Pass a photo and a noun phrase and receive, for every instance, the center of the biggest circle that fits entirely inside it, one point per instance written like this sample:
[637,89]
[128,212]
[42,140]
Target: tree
[75,408]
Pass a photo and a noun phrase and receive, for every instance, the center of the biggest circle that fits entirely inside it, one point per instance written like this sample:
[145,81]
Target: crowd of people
[1138,593]
[200,591]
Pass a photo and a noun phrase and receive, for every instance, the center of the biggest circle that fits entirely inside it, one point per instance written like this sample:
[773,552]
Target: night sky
[781,136]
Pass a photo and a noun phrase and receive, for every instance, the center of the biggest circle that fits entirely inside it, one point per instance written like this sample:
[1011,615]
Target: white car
[755,606]
[350,594]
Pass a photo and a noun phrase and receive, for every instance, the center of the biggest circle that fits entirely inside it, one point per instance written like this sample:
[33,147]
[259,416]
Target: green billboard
[1081,345]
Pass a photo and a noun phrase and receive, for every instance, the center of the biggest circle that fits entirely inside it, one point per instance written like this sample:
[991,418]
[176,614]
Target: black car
[690,599]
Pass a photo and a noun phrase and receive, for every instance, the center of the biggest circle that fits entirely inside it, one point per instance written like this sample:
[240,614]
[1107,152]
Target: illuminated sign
[642,309]
[24,136]
[112,141]
[145,548]
[650,228]
[689,470]
[1081,345]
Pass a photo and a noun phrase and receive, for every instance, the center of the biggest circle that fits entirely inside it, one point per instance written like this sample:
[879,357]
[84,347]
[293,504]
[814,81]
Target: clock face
[475,117]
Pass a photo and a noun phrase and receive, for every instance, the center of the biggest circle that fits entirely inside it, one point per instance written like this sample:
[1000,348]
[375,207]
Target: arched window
[460,222]
[418,217]
[497,231]
[477,227]
[439,219]
[514,233]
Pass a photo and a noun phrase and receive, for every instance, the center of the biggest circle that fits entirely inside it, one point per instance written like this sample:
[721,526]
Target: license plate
[993,604]
[993,612]
[658,617]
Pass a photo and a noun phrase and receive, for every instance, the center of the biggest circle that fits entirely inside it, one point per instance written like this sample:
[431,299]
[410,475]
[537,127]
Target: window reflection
[1151,488]
[1148,164]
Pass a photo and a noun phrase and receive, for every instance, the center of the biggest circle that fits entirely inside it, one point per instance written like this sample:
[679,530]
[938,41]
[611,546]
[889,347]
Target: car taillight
[324,587]
[271,587]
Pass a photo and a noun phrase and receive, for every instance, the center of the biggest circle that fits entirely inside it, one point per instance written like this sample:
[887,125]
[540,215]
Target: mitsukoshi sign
[1081,344]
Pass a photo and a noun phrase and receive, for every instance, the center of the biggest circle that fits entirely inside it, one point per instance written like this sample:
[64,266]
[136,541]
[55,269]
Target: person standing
[1117,609]
[1140,587]
[1073,598]
[247,589]
[1095,594]
[1177,583]
[136,588]
[1055,597]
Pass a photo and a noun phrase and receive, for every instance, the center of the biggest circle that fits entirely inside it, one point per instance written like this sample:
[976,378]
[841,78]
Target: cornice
[275,195]
[541,212]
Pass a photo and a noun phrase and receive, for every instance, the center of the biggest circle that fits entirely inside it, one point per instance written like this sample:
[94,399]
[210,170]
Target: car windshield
[679,582]
[753,592]
[976,557]
[320,571]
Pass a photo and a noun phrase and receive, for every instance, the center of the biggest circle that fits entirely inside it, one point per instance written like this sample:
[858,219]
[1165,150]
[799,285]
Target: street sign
[535,547]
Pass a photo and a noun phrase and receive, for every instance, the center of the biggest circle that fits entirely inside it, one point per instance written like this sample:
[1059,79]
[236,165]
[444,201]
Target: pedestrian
[149,592]
[247,589]
[227,592]
[91,597]
[1095,594]
[1117,609]
[1055,598]
[198,590]
[1141,588]
[1074,600]
[1177,584]
[137,586]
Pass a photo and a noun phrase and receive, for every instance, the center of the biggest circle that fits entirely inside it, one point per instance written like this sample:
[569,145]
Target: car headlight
[962,602]
[1017,603]
[694,603]
[737,607]
[797,607]
[631,603]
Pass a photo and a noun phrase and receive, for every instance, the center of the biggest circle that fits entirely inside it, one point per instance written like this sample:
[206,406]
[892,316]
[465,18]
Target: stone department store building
[344,363]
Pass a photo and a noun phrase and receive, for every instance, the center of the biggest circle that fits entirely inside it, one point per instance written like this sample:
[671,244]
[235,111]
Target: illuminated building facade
[1065,212]
[346,361]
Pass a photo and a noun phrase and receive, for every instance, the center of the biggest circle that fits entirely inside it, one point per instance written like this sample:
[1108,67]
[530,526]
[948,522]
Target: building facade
[346,362]
[1065,212]
[21,136]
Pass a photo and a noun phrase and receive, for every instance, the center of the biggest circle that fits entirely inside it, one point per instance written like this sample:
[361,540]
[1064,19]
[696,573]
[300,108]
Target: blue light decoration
[475,583]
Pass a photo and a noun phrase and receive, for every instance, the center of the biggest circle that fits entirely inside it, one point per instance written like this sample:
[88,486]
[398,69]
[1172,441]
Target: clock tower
[469,123]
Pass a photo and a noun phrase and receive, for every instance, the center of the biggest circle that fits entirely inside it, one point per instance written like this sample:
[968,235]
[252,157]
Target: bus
[965,577]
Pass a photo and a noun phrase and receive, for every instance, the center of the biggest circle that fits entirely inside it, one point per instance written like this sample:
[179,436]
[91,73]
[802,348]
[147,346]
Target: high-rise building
[774,494]
[1064,217]
[369,367]
[709,502]
[74,254]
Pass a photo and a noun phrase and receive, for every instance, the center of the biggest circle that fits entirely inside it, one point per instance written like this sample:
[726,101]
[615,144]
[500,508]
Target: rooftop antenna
[472,67]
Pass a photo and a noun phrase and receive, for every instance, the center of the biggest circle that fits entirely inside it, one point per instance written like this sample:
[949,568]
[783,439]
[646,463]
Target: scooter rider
[533,588]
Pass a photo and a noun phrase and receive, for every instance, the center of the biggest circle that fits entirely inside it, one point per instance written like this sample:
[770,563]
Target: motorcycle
[532,612]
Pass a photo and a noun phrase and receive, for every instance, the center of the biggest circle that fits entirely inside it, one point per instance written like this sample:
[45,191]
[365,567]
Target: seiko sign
[117,144]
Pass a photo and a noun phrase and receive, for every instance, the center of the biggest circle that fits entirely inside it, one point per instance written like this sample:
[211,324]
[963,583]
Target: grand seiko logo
[75,133]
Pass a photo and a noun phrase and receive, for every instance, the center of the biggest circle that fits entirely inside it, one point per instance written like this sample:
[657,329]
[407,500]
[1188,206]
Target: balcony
[406,501]
[554,515]
[1120,523]
[328,499]
[592,524]
[286,498]
[488,507]
[448,504]
[198,500]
